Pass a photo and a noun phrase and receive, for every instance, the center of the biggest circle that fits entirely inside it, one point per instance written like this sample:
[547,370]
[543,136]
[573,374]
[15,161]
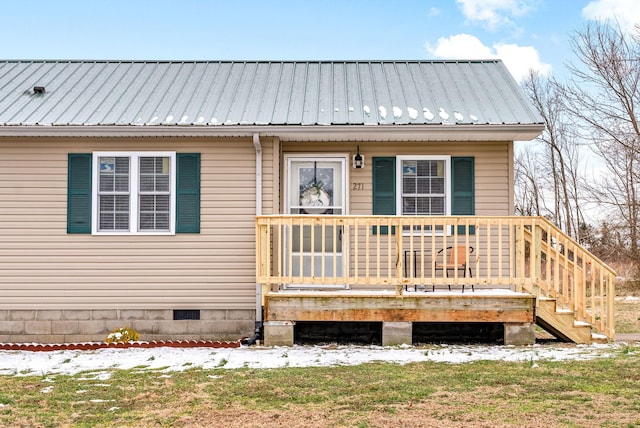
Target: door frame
[323,157]
[344,157]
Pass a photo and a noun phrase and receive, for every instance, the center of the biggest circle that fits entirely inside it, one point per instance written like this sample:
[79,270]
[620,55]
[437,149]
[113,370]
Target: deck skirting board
[407,308]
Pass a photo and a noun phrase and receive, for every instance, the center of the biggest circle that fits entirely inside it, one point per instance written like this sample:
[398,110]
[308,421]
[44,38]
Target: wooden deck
[365,268]
[397,314]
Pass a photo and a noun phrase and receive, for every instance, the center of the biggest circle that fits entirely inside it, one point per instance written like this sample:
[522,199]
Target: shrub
[123,334]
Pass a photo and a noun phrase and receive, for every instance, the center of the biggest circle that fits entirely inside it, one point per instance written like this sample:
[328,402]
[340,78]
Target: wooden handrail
[526,254]
[569,273]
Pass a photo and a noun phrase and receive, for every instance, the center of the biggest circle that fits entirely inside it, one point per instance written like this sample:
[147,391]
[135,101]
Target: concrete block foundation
[396,333]
[519,333]
[278,333]
[86,325]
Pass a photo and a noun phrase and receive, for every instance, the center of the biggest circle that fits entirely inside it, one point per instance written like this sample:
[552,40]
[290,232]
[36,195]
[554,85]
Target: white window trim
[134,193]
[289,158]
[447,184]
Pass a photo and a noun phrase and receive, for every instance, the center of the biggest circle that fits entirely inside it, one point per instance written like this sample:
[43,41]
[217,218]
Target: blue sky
[524,33]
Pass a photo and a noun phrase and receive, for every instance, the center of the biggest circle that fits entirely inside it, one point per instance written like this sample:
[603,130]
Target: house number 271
[357,186]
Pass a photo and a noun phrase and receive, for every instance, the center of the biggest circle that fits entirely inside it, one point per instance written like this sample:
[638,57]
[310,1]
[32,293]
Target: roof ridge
[240,61]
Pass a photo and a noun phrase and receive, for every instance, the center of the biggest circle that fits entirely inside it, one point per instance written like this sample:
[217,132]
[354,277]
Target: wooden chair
[459,253]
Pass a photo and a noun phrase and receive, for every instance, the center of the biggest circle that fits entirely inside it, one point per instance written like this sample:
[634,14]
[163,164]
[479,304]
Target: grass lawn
[627,306]
[601,392]
[628,315]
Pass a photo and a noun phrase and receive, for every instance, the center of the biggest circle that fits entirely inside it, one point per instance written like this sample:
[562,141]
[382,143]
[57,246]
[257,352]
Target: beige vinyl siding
[43,267]
[270,175]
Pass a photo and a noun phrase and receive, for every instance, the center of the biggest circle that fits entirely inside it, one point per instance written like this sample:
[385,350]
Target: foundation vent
[186,314]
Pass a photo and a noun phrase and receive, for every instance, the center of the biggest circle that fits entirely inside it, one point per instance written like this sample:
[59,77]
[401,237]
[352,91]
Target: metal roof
[260,93]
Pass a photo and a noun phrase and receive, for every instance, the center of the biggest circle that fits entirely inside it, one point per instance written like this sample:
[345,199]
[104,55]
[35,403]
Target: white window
[423,185]
[134,192]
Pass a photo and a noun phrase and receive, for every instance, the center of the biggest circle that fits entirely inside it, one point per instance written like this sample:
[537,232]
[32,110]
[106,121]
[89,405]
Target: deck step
[561,322]
[599,338]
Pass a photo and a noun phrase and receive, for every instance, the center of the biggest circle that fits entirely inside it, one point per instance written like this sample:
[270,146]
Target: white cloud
[461,46]
[434,11]
[626,12]
[495,13]
[521,59]
[518,59]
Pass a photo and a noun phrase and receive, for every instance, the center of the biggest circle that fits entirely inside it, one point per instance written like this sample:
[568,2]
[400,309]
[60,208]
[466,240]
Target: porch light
[358,160]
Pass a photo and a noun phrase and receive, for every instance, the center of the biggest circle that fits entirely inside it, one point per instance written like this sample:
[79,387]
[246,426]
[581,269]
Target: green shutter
[463,189]
[79,193]
[384,189]
[188,193]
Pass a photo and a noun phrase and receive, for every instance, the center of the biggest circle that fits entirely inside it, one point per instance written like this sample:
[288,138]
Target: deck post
[263,250]
[519,255]
[519,333]
[535,255]
[278,333]
[396,333]
[399,263]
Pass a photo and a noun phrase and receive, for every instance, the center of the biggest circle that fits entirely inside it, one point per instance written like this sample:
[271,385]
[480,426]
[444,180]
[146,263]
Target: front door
[316,186]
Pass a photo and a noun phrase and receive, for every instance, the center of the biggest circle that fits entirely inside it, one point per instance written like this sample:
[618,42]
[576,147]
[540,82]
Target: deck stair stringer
[561,322]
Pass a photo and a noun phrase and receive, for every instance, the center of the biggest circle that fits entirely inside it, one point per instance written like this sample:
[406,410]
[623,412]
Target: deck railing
[526,254]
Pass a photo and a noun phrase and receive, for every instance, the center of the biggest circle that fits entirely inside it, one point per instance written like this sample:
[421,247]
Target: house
[203,200]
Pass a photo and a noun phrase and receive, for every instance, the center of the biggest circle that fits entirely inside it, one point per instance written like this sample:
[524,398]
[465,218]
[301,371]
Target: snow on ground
[28,363]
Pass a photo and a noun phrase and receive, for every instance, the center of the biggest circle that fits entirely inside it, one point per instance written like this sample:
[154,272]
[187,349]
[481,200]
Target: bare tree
[603,97]
[619,190]
[558,156]
[528,193]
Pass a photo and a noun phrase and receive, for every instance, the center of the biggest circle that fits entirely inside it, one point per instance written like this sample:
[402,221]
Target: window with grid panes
[154,193]
[423,186]
[135,192]
[113,193]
